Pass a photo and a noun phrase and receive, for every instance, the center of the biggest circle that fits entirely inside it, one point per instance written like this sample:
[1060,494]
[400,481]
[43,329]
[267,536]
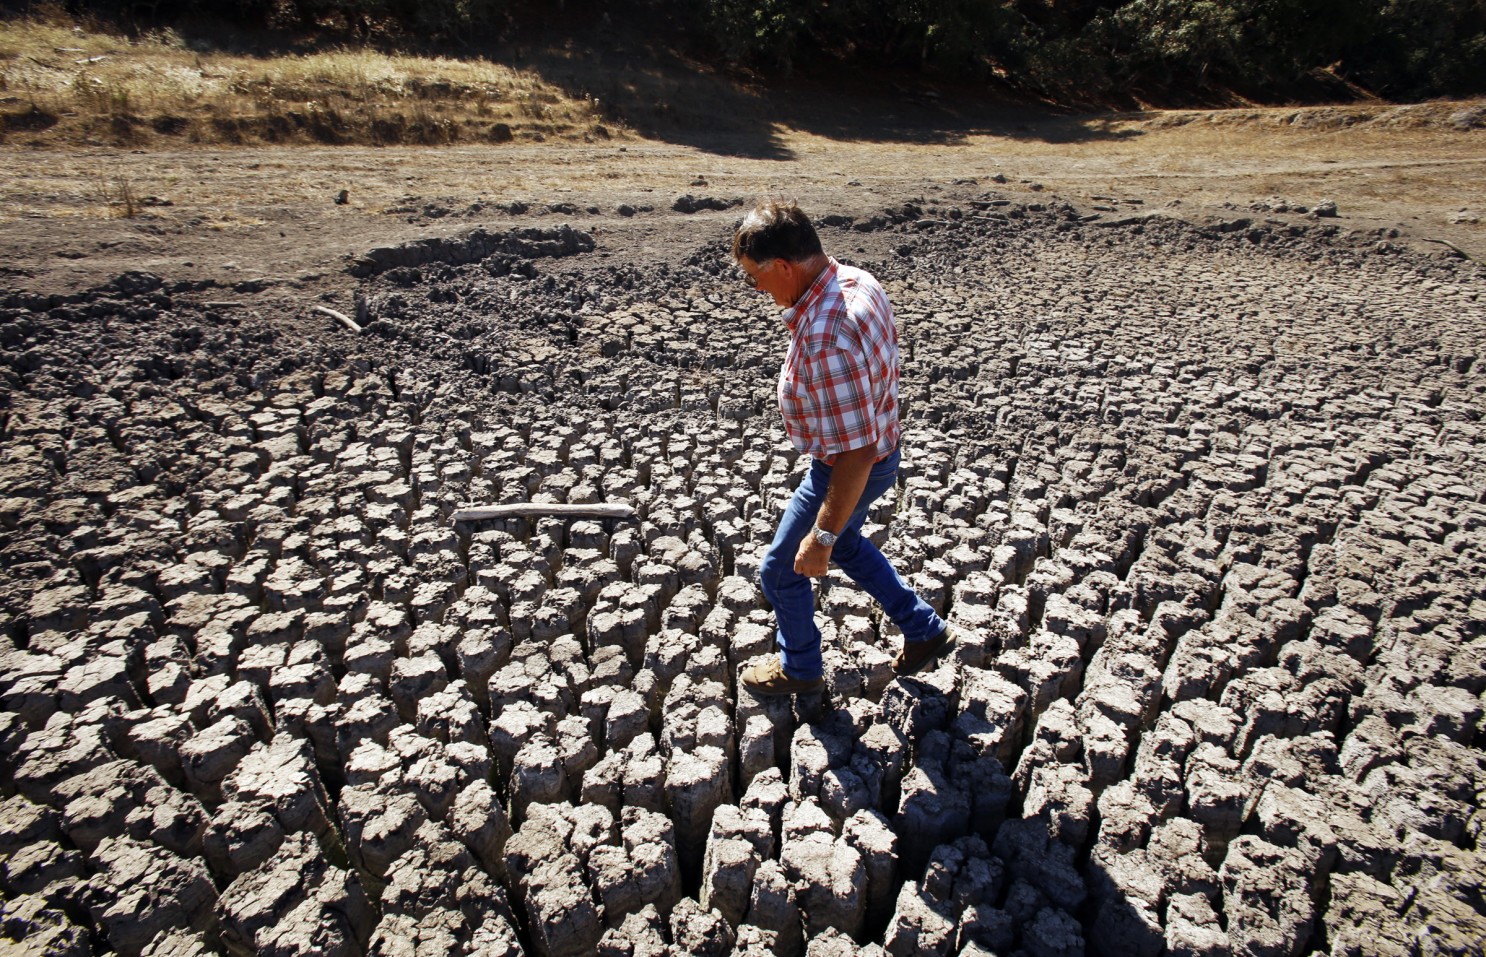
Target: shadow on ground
[664,97]
[637,76]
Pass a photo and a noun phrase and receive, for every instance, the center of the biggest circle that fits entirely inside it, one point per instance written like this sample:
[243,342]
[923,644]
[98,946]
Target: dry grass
[61,85]
[117,196]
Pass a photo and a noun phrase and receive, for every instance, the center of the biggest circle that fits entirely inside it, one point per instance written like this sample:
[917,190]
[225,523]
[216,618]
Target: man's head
[778,249]
[776,229]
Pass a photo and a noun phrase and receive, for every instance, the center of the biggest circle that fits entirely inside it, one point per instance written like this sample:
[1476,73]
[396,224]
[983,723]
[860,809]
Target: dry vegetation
[61,85]
[174,152]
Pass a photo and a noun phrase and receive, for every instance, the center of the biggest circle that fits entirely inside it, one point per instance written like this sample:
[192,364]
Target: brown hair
[775,229]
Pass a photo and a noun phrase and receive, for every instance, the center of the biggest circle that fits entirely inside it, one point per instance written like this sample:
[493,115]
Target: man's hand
[813,559]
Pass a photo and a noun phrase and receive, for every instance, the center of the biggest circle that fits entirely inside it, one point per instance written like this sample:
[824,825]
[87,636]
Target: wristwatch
[824,537]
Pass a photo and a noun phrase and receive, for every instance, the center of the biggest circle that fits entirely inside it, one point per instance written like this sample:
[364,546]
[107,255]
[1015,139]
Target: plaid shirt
[838,389]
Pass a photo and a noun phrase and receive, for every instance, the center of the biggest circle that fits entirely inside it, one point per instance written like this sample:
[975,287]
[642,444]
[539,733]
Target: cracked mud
[1205,504]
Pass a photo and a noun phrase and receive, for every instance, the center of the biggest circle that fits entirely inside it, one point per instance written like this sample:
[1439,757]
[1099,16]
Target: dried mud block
[1364,916]
[755,749]
[478,820]
[201,696]
[24,822]
[511,728]
[428,875]
[303,679]
[643,775]
[830,882]
[451,715]
[432,772]
[178,943]
[436,932]
[44,867]
[372,763]
[281,777]
[750,640]
[157,742]
[1289,816]
[1268,897]
[1215,794]
[96,803]
[209,757]
[99,676]
[295,903]
[1031,854]
[754,941]
[379,826]
[627,718]
[1057,739]
[369,718]
[727,876]
[171,819]
[562,918]
[1450,712]
[1193,928]
[29,686]
[1179,854]
[1048,668]
[1060,796]
[1001,705]
[931,810]
[413,679]
[1273,701]
[33,926]
[771,904]
[68,745]
[696,930]
[537,776]
[916,706]
[920,925]
[313,723]
[832,943]
[642,934]
[870,833]
[650,841]
[642,869]
[238,838]
[244,700]
[816,749]
[479,653]
[1053,933]
[141,890]
[769,795]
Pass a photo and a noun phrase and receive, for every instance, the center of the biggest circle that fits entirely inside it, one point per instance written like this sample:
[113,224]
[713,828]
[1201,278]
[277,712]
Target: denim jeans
[792,594]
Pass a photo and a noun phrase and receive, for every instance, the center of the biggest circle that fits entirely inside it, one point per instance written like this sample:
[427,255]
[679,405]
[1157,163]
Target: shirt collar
[812,295]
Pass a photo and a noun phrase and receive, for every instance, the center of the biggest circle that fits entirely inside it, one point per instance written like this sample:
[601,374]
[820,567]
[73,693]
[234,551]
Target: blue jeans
[791,593]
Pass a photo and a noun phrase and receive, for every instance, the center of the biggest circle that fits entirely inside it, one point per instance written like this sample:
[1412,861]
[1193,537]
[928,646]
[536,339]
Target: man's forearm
[849,477]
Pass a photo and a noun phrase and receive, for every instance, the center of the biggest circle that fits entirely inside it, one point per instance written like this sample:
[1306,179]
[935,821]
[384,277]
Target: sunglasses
[751,279]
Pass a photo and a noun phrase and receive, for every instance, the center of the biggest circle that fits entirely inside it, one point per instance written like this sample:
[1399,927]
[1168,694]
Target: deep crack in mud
[1206,506]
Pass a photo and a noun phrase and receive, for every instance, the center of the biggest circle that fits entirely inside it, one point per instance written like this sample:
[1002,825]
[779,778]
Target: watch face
[825,537]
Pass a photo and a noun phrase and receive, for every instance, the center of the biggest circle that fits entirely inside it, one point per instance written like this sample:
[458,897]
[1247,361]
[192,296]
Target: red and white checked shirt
[838,389]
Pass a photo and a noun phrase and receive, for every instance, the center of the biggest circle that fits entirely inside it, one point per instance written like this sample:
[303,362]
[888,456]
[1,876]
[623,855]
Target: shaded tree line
[1101,49]
[1161,50]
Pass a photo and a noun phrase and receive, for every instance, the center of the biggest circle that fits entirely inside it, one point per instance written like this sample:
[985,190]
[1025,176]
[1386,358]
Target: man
[838,393]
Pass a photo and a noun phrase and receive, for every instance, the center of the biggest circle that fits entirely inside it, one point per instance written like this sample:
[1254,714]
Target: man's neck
[810,270]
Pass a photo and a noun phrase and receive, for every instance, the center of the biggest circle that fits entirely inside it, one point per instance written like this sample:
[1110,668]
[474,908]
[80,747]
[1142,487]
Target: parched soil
[1197,475]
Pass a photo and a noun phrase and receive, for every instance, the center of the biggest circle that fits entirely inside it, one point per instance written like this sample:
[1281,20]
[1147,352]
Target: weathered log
[1446,242]
[340,317]
[542,510]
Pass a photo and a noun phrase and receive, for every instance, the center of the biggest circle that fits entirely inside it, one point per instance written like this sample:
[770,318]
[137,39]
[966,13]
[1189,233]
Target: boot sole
[781,692]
